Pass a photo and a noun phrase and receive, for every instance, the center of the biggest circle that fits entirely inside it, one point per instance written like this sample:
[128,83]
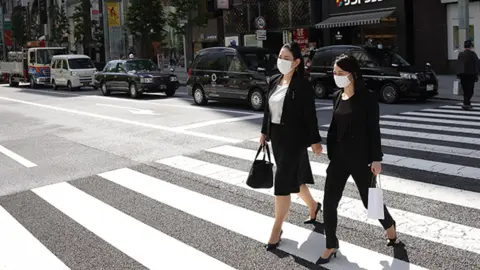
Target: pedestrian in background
[469,66]
[353,147]
[290,122]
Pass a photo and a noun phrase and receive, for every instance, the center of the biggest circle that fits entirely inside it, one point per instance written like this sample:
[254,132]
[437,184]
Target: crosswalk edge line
[239,220]
[134,238]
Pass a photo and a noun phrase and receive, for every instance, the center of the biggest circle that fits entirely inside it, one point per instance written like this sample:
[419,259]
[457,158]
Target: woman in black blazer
[290,121]
[354,148]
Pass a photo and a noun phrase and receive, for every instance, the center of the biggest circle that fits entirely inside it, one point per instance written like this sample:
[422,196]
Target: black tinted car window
[140,65]
[260,59]
[324,58]
[80,63]
[363,59]
[216,61]
[235,64]
[386,57]
[197,63]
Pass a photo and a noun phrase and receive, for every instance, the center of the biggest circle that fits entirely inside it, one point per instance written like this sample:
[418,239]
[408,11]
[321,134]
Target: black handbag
[261,173]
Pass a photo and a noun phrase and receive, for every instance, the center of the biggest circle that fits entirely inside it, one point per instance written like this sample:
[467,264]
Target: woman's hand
[376,168]
[317,148]
[262,139]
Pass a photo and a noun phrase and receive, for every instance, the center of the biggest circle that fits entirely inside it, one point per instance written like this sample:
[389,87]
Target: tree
[82,32]
[19,25]
[146,21]
[60,27]
[183,11]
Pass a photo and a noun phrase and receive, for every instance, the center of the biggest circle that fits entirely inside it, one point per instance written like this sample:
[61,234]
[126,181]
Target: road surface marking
[431,127]
[25,162]
[297,241]
[324,108]
[431,120]
[134,238]
[125,121]
[219,121]
[19,249]
[424,190]
[130,109]
[446,116]
[459,108]
[408,223]
[452,111]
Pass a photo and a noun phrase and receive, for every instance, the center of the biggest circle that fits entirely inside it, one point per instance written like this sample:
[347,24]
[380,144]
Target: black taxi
[227,73]
[384,72]
[135,76]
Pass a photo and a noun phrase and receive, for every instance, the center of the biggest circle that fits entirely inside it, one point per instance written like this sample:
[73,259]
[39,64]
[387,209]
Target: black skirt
[292,162]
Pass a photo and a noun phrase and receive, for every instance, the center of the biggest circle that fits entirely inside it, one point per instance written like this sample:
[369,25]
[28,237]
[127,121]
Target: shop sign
[300,36]
[341,3]
[260,23]
[261,34]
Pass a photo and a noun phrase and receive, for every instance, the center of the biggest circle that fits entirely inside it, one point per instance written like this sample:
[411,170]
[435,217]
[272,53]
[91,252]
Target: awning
[371,17]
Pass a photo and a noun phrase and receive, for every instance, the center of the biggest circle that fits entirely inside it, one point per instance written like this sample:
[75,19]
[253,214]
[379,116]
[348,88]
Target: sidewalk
[445,89]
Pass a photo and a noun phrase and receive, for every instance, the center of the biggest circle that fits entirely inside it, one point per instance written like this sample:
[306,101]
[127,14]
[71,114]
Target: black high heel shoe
[275,245]
[327,260]
[312,220]
[393,241]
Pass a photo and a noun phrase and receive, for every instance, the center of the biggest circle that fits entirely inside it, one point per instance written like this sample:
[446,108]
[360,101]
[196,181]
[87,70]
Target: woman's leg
[306,196]
[337,176]
[363,177]
[282,205]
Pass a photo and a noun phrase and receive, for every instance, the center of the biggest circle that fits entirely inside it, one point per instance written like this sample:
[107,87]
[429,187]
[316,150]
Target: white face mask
[342,81]
[284,66]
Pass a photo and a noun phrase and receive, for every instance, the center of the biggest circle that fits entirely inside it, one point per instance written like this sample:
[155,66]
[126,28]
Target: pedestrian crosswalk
[196,212]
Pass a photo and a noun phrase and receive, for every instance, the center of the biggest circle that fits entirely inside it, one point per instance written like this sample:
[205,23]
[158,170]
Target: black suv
[384,71]
[224,73]
[135,76]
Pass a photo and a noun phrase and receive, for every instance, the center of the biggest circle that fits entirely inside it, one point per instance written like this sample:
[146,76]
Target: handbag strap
[268,153]
[263,147]
[374,181]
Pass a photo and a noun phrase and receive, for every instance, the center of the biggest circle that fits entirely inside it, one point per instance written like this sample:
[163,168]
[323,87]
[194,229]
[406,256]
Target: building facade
[416,30]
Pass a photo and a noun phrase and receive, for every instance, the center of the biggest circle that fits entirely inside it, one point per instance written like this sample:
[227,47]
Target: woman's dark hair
[294,48]
[350,64]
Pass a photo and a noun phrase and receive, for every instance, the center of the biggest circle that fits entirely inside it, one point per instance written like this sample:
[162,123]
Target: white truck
[31,65]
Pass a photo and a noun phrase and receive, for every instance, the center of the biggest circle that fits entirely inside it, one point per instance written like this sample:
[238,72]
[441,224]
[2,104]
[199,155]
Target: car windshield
[387,58]
[140,65]
[80,63]
[44,56]
[260,59]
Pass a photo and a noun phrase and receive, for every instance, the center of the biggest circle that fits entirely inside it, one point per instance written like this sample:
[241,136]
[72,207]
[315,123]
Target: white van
[72,71]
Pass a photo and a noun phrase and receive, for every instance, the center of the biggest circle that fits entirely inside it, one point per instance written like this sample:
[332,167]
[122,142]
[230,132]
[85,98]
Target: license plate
[163,86]
[430,87]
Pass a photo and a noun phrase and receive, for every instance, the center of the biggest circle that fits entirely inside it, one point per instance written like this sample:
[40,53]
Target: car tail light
[189,73]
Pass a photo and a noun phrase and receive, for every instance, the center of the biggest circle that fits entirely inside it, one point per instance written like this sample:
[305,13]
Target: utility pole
[463,22]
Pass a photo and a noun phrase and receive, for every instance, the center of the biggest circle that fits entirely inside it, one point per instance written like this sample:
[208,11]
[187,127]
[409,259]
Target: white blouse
[276,103]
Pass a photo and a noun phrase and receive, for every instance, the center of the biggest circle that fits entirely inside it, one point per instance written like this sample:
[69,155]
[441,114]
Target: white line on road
[431,120]
[430,127]
[324,108]
[218,121]
[424,227]
[461,117]
[452,111]
[19,249]
[125,121]
[297,241]
[134,238]
[25,162]
[132,110]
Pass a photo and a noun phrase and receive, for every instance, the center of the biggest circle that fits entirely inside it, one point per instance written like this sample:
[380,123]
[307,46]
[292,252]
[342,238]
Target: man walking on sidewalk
[469,66]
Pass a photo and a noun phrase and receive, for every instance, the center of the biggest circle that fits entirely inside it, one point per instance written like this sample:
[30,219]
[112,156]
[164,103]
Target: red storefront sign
[300,36]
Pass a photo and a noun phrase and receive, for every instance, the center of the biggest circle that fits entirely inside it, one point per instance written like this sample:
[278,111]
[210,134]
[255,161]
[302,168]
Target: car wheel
[320,90]
[389,93]
[133,90]
[69,86]
[105,91]
[11,82]
[170,92]
[55,87]
[256,99]
[199,96]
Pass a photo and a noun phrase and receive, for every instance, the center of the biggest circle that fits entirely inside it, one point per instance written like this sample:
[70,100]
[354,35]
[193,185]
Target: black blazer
[299,115]
[365,126]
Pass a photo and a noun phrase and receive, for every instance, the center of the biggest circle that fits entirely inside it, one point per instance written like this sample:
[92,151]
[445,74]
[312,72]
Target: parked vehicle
[30,65]
[135,76]
[384,71]
[72,71]
[225,73]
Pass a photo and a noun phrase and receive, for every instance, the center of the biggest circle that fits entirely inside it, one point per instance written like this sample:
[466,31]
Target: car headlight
[173,79]
[146,80]
[410,76]
[73,73]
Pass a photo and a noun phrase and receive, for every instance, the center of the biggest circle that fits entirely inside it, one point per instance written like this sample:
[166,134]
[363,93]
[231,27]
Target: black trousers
[468,84]
[345,162]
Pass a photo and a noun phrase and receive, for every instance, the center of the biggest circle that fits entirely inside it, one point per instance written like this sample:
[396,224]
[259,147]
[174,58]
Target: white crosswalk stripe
[196,211]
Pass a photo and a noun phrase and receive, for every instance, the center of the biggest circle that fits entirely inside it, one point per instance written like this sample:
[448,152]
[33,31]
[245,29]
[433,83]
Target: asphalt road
[93,182]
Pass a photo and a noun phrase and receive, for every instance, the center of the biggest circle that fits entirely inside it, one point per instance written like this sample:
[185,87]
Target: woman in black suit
[290,121]
[353,147]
